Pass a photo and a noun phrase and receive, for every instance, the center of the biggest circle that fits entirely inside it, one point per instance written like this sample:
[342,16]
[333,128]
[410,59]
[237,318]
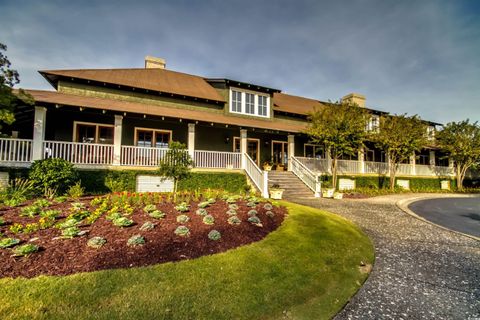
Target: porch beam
[191,139]
[290,151]
[38,133]
[117,140]
[243,146]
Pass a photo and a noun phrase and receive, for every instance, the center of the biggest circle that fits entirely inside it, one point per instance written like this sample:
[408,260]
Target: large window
[373,123]
[145,137]
[250,103]
[313,151]
[87,132]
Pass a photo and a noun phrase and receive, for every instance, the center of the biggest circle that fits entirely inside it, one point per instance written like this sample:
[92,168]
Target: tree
[461,141]
[8,99]
[400,136]
[340,127]
[176,164]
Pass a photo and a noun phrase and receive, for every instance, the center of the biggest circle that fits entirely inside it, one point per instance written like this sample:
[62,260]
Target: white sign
[153,184]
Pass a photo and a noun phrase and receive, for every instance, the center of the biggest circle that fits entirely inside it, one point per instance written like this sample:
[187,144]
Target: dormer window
[373,124]
[249,103]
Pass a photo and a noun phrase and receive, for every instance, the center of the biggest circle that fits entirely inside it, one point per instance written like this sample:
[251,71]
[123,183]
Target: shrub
[115,185]
[267,206]
[255,221]
[67,223]
[96,242]
[204,204]
[214,235]
[17,192]
[75,191]
[157,214]
[149,208]
[46,222]
[232,212]
[252,212]
[8,242]
[16,228]
[53,173]
[30,211]
[231,200]
[182,231]
[208,219]
[182,218]
[234,220]
[233,206]
[270,214]
[77,206]
[201,212]
[113,215]
[60,199]
[230,182]
[122,222]
[25,250]
[42,203]
[147,226]
[136,240]
[253,199]
[182,207]
[211,200]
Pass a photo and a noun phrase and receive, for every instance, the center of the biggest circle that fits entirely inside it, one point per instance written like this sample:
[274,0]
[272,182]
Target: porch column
[117,140]
[191,139]
[243,146]
[329,161]
[431,158]
[413,164]
[361,160]
[38,133]
[290,151]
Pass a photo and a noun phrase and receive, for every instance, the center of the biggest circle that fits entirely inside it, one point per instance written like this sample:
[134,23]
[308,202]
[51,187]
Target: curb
[404,203]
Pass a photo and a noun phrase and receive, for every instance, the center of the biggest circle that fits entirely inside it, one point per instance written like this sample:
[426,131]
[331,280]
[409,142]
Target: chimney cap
[154,62]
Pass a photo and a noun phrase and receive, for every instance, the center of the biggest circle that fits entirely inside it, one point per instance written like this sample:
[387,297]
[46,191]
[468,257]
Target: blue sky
[415,57]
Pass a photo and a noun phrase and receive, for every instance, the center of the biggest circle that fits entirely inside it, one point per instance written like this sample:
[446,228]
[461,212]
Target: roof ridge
[122,69]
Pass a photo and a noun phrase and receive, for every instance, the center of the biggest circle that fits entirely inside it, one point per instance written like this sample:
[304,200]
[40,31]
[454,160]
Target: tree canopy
[400,136]
[461,141]
[341,128]
[176,164]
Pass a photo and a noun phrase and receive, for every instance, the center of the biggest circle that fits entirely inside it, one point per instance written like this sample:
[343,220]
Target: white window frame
[370,126]
[256,112]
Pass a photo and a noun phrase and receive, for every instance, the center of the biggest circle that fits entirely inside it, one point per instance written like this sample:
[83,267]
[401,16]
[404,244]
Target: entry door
[253,148]
[280,152]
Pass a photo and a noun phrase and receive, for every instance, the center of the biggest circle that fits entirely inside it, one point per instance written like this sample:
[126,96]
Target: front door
[280,152]
[253,148]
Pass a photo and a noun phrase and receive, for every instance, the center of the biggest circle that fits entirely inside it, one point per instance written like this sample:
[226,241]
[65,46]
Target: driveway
[421,271]
[459,214]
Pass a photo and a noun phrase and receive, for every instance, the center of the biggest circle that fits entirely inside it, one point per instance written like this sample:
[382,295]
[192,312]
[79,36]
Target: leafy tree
[8,99]
[176,164]
[399,136]
[461,141]
[340,127]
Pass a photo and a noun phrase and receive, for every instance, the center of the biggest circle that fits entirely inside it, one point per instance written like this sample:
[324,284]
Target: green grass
[308,268]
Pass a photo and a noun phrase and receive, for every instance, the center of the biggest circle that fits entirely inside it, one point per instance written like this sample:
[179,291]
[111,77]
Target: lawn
[307,269]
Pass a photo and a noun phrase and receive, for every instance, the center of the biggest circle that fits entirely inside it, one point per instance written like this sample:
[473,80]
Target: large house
[125,118]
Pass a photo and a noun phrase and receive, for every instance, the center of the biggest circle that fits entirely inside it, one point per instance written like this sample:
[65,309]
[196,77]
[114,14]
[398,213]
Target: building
[125,118]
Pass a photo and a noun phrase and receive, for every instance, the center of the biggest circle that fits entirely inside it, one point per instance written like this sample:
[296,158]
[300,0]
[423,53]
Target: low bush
[182,207]
[17,192]
[214,235]
[255,221]
[201,212]
[267,206]
[233,206]
[157,214]
[147,226]
[252,212]
[96,242]
[16,228]
[76,191]
[251,204]
[231,212]
[50,213]
[25,250]
[30,227]
[53,173]
[270,214]
[208,219]
[182,231]
[30,211]
[204,204]
[136,240]
[234,220]
[70,232]
[149,208]
[122,222]
[183,218]
[42,203]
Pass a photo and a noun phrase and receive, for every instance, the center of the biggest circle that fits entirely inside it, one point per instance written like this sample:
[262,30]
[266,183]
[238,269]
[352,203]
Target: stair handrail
[307,176]
[257,175]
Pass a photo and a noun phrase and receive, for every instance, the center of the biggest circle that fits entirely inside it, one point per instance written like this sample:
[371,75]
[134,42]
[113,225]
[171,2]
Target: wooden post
[361,160]
[117,140]
[39,133]
[243,146]
[191,140]
[290,151]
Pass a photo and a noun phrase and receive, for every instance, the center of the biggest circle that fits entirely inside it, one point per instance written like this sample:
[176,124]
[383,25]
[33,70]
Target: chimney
[154,63]
[355,98]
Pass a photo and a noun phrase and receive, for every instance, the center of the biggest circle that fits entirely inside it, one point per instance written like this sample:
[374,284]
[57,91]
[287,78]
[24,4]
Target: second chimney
[355,98]
[154,63]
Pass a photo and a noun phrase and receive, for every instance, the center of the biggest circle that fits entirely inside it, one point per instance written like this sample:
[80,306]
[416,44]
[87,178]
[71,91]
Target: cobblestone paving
[420,271]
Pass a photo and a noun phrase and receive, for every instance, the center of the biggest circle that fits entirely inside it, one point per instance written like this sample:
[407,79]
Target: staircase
[294,187]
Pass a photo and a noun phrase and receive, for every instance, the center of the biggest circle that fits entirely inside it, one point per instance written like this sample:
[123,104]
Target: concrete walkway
[421,271]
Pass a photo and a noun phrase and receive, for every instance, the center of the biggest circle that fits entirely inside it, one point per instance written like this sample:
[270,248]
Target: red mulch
[67,256]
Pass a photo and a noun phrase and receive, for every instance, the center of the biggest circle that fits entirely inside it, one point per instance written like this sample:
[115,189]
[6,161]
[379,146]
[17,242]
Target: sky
[414,57]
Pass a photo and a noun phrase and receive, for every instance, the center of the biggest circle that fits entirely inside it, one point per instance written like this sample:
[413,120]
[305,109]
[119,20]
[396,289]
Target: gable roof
[295,104]
[53,97]
[161,80]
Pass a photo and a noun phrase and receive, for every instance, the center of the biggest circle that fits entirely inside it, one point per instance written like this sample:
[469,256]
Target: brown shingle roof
[295,104]
[141,108]
[151,79]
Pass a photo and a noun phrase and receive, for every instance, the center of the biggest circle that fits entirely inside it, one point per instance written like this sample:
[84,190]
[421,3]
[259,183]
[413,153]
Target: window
[373,124]
[313,151]
[236,101]
[93,133]
[145,137]
[430,132]
[262,106]
[250,103]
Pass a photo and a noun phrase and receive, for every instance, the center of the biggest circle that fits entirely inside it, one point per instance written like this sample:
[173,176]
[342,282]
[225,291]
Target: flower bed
[126,230]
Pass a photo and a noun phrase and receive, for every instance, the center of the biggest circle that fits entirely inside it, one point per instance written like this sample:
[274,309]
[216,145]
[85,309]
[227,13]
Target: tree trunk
[334,173]
[393,172]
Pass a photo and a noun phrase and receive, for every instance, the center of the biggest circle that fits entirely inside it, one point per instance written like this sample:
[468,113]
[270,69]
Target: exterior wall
[132,96]
[179,129]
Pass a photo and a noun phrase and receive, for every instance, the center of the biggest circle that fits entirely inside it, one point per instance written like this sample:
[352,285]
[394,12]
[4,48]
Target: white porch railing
[348,166]
[314,164]
[142,156]
[258,177]
[79,153]
[376,167]
[306,175]
[217,160]
[15,150]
